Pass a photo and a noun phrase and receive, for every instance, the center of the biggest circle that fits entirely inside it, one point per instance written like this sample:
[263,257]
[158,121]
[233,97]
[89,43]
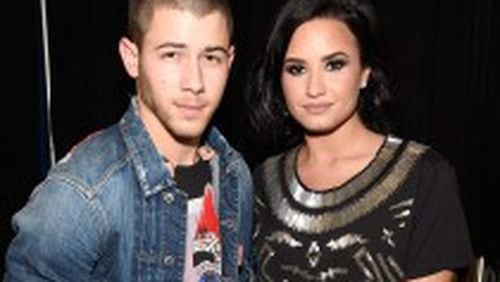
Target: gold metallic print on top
[329,220]
[320,200]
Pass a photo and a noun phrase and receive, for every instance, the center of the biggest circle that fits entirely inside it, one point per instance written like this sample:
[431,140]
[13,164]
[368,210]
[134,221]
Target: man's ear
[129,52]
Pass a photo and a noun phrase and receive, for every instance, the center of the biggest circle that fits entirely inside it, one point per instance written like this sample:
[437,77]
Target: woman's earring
[363,85]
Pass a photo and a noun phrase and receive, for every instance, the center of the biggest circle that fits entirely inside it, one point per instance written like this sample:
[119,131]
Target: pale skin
[181,69]
[321,79]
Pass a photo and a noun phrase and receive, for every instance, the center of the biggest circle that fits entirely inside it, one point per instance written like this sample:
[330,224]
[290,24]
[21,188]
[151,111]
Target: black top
[193,179]
[400,217]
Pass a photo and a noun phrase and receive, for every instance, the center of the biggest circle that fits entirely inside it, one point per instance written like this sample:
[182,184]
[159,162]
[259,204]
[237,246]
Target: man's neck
[176,150]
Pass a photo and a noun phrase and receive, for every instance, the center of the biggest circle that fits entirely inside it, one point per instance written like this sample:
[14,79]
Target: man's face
[182,68]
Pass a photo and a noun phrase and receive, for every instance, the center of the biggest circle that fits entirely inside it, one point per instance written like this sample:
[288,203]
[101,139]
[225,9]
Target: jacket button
[168,260]
[168,197]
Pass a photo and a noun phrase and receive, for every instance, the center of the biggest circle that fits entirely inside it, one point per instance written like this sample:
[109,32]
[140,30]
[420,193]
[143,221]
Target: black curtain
[90,87]
[441,53]
[23,134]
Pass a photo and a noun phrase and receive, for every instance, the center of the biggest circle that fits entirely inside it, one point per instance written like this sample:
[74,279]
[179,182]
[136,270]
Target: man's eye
[213,59]
[295,69]
[169,55]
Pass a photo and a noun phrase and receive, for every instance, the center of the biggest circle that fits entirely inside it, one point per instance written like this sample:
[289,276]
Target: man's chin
[187,136]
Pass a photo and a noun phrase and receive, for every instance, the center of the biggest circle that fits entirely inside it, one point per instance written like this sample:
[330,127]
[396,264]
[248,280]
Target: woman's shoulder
[428,155]
[428,169]
[431,158]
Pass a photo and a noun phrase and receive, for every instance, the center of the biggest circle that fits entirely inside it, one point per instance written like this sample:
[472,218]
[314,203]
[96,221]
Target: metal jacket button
[168,197]
[168,260]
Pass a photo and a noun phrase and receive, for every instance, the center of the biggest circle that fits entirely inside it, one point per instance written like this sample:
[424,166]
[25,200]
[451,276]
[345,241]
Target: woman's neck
[338,156]
[342,143]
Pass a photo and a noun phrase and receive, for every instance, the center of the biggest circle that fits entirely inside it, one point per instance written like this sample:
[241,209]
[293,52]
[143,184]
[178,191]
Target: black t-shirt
[398,218]
[192,179]
[203,242]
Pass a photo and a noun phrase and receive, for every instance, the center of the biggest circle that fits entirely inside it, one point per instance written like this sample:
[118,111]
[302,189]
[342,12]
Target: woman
[347,200]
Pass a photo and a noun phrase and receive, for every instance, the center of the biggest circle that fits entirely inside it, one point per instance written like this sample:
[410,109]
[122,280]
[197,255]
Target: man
[157,196]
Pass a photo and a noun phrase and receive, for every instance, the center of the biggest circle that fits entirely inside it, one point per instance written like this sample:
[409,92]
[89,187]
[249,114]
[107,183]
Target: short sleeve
[440,236]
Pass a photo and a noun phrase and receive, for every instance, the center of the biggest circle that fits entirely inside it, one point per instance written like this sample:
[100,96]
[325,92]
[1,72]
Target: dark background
[442,53]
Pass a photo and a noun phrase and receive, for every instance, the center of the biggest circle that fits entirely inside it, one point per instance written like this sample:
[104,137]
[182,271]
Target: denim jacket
[111,211]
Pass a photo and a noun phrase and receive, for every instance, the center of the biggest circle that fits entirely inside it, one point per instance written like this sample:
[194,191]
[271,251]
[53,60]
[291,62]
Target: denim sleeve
[246,214]
[57,238]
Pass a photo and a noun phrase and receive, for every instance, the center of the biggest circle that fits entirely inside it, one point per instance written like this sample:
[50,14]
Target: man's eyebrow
[217,49]
[171,45]
[176,45]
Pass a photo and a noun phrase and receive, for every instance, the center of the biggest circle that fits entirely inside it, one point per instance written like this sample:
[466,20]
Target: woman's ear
[129,52]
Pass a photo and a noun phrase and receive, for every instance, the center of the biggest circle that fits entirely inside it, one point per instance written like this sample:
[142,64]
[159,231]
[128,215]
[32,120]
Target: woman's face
[322,75]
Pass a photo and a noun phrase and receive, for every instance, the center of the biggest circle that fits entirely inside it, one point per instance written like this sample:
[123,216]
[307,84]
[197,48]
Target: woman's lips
[317,108]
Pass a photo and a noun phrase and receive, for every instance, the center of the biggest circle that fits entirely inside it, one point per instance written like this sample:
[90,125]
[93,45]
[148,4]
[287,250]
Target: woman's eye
[295,69]
[334,65]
